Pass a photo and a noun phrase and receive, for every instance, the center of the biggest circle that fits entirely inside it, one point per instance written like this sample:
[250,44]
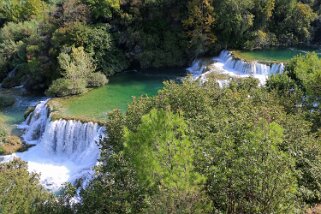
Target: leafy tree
[260,36]
[21,191]
[263,12]
[250,174]
[289,93]
[153,34]
[77,65]
[162,156]
[304,147]
[300,21]
[291,21]
[115,188]
[234,20]
[69,12]
[96,41]
[303,73]
[199,24]
[240,140]
[78,73]
[103,9]
[26,55]
[152,149]
[305,70]
[18,10]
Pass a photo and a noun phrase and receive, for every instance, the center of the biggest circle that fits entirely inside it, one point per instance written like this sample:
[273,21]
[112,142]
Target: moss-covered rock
[29,110]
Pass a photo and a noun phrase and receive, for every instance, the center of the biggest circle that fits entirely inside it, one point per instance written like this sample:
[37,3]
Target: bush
[3,134]
[96,80]
[6,101]
[64,87]
[78,71]
[21,191]
[8,144]
[11,144]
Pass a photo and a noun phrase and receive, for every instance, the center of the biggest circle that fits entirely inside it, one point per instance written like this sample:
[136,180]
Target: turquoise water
[14,115]
[121,89]
[118,93]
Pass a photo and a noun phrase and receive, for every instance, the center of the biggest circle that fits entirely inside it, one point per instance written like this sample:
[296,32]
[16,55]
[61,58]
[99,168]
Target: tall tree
[251,174]
[263,11]
[162,155]
[19,10]
[234,21]
[78,71]
[21,192]
[103,9]
[199,25]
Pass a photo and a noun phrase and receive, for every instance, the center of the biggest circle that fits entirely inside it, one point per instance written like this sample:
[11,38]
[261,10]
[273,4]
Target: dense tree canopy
[142,34]
[200,148]
[20,191]
[194,147]
[254,154]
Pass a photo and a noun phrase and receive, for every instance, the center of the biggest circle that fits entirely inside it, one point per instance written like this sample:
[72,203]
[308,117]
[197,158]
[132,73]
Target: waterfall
[243,67]
[72,139]
[226,63]
[35,123]
[196,69]
[64,151]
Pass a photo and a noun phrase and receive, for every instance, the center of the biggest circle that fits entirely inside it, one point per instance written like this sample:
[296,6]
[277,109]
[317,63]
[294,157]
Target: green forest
[41,40]
[194,148]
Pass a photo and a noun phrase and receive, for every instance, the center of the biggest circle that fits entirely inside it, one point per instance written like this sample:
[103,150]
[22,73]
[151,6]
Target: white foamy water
[64,151]
[225,63]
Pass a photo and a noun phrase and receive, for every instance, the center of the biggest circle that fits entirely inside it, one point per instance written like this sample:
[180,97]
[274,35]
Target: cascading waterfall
[35,123]
[244,67]
[64,151]
[72,139]
[227,64]
[196,69]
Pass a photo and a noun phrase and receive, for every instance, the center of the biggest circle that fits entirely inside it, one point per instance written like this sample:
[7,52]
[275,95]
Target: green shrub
[79,72]
[64,87]
[11,144]
[21,190]
[96,80]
